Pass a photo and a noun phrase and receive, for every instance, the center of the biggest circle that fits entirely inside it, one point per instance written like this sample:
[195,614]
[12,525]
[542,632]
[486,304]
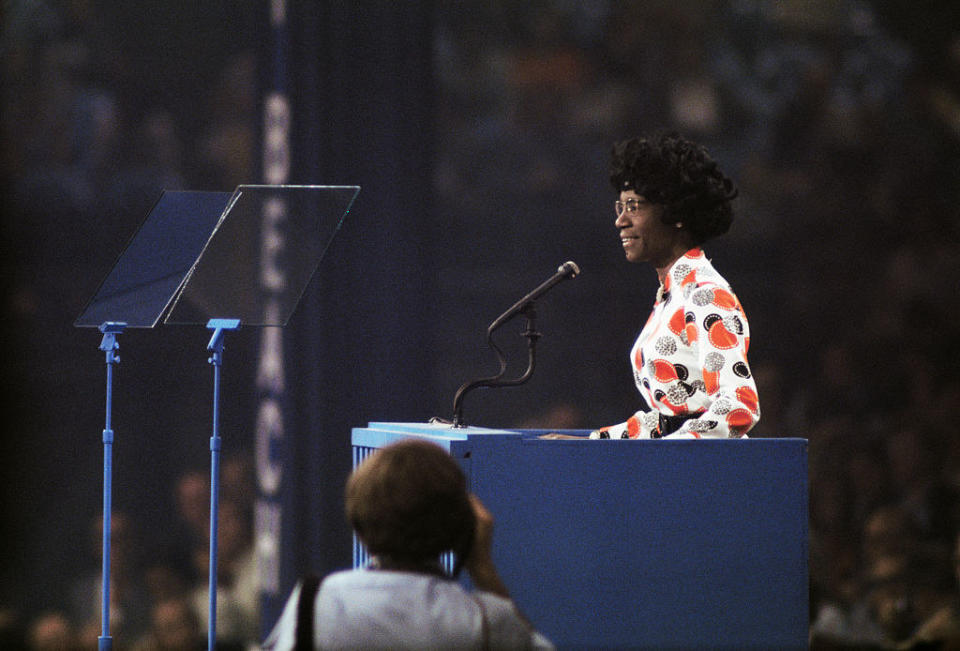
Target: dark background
[480,133]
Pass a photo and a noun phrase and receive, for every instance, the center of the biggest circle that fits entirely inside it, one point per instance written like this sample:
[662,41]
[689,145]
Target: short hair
[680,175]
[409,502]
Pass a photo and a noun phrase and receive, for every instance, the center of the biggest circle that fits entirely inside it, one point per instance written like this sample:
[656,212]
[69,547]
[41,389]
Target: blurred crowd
[101,111]
[159,582]
[845,141]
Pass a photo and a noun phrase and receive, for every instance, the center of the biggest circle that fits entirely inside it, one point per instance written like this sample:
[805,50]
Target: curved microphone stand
[530,332]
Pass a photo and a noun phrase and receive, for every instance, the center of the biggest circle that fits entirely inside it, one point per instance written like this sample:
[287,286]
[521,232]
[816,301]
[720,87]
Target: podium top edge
[446,431]
[441,429]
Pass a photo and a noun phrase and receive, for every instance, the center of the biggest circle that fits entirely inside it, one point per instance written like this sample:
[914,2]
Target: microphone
[568,269]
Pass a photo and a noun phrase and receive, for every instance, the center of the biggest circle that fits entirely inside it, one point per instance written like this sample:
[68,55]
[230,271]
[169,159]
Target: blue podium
[640,544]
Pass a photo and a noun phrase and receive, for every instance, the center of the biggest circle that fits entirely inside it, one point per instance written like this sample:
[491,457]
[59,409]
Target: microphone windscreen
[569,268]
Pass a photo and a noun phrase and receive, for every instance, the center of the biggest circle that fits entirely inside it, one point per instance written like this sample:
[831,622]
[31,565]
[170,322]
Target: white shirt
[379,609]
[690,359]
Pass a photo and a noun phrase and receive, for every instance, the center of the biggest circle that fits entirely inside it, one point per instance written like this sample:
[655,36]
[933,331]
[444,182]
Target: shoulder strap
[308,595]
[484,624]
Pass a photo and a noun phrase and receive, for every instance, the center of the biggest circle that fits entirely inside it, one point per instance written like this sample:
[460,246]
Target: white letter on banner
[272,244]
[269,429]
[278,13]
[276,140]
[270,363]
[267,526]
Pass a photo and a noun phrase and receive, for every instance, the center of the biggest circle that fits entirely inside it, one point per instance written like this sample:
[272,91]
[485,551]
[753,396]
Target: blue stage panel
[646,544]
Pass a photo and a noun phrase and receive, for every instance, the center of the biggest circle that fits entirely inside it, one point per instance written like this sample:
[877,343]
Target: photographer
[408,503]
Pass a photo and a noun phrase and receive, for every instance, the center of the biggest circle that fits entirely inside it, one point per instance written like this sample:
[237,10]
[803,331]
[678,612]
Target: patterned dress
[690,360]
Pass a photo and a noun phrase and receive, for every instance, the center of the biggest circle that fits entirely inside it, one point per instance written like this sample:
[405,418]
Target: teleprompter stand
[219,327]
[197,257]
[109,345]
[286,231]
[135,294]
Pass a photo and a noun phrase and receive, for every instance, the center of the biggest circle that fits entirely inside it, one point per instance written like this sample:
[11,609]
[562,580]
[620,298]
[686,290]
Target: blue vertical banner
[270,426]
[347,101]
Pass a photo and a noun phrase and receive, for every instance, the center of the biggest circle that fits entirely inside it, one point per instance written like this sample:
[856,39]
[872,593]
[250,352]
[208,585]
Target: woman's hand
[556,436]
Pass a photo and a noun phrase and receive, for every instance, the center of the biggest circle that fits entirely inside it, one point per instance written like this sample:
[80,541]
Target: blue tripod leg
[111,330]
[219,327]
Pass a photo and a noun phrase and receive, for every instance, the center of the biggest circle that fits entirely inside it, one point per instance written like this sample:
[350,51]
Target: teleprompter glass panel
[262,254]
[152,267]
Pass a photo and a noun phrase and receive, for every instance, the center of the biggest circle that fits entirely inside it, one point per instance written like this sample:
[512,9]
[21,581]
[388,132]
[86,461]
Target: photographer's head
[408,503]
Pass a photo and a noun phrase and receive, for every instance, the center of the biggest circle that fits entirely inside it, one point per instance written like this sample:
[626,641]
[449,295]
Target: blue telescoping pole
[219,327]
[109,346]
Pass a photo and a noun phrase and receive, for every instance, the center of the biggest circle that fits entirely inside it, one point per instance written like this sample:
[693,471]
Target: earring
[679,225]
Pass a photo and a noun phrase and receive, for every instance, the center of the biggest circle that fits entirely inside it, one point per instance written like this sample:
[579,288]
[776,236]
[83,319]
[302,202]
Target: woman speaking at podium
[690,360]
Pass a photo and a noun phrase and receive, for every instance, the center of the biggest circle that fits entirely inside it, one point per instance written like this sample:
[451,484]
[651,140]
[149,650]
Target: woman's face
[645,238]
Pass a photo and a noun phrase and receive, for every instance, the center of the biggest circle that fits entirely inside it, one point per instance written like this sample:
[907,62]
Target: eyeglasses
[630,205]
